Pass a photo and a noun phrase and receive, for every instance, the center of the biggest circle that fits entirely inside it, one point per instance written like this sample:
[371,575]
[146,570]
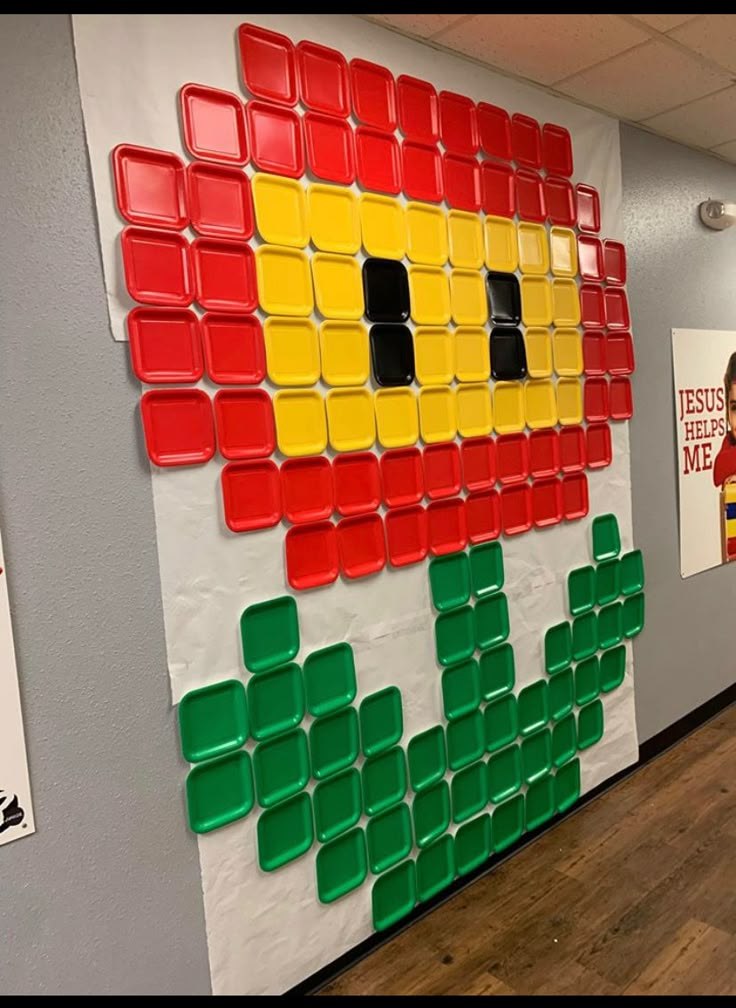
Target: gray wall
[105,898]
[681,275]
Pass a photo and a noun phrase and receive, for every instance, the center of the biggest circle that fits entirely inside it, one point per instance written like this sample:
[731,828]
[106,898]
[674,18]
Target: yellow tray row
[350,419]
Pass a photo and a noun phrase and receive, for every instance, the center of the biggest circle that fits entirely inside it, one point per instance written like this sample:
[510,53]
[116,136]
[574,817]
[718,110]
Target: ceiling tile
[644,81]
[423,25]
[664,22]
[727,150]
[703,123]
[542,47]
[712,35]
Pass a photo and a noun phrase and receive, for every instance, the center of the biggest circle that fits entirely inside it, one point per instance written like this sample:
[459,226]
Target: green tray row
[453,577]
[458,632]
[586,634]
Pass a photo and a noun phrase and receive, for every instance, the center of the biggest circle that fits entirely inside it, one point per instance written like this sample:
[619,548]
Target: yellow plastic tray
[729,493]
[334,219]
[437,413]
[567,348]
[538,352]
[565,302]
[563,249]
[508,407]
[474,411]
[730,528]
[569,401]
[350,419]
[434,355]
[468,297]
[426,234]
[383,226]
[536,301]
[338,285]
[284,281]
[397,419]
[472,354]
[540,404]
[533,249]
[430,295]
[345,352]
[281,210]
[502,247]
[301,427]
[292,350]
[466,239]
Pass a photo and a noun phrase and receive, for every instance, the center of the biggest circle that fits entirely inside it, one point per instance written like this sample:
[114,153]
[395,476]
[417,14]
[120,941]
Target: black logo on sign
[11,814]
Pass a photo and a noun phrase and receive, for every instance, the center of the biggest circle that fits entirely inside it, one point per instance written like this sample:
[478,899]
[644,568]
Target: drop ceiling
[673,74]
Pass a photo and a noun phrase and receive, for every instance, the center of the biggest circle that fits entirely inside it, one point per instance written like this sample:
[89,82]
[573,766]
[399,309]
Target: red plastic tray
[498,188]
[402,477]
[595,399]
[157,267]
[441,470]
[251,495]
[512,458]
[479,463]
[150,187]
[422,170]
[419,109]
[214,124]
[617,308]
[546,502]
[575,496]
[594,352]
[234,349]
[592,307]
[544,453]
[572,449]
[494,129]
[357,483]
[406,535]
[589,208]
[268,64]
[556,150]
[245,427]
[378,158]
[530,196]
[483,516]
[224,275]
[374,95]
[311,555]
[447,529]
[330,147]
[526,141]
[598,445]
[361,545]
[307,489]
[614,260]
[220,201]
[324,79]
[165,345]
[516,509]
[622,405]
[559,197]
[276,138]
[620,352]
[462,182]
[178,426]
[590,257]
[458,124]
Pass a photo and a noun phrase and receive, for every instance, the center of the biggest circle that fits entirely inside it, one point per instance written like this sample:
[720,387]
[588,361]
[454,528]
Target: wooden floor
[634,894]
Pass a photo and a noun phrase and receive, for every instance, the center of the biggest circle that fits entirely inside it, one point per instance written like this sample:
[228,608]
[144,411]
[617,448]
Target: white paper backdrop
[268,932]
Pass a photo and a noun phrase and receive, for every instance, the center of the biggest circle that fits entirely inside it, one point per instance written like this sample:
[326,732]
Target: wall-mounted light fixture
[717,215]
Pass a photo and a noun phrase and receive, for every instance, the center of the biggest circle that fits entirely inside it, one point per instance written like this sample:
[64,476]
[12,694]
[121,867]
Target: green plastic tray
[427,758]
[285,832]
[587,680]
[567,785]
[539,802]
[536,755]
[275,701]
[632,572]
[454,635]
[581,590]
[584,636]
[465,740]
[607,581]
[431,812]
[633,615]
[219,791]
[384,780]
[613,668]
[337,804]
[606,538]
[281,767]
[491,621]
[333,742]
[389,838]
[381,720]
[213,720]
[532,707]
[560,694]
[590,724]
[564,740]
[504,773]
[341,866]
[435,868]
[507,823]
[557,648]
[610,625]
[472,844]
[460,689]
[394,896]
[469,791]
[497,671]
[329,679]
[449,580]
[270,633]
[486,569]
[501,723]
